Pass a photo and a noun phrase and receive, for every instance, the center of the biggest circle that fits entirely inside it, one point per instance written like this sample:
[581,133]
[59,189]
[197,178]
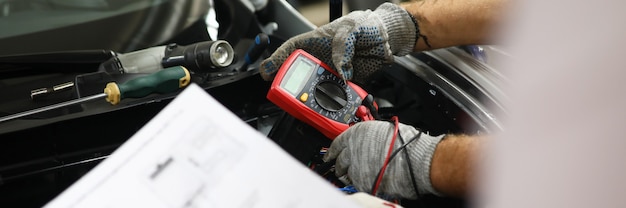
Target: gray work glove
[361,151]
[356,45]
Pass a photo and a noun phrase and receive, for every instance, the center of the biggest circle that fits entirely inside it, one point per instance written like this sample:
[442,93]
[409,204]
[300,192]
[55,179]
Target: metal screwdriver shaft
[164,81]
[52,107]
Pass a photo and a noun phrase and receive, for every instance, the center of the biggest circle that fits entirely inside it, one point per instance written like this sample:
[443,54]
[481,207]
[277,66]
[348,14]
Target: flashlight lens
[221,55]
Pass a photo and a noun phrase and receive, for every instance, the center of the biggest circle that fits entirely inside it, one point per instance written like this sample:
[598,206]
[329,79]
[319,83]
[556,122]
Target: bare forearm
[453,164]
[446,23]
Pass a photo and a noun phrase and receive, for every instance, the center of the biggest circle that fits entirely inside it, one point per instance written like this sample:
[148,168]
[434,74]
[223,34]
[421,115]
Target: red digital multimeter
[312,92]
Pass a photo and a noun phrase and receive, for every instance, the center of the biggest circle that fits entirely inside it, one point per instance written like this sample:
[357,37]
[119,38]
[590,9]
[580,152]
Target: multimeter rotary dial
[330,96]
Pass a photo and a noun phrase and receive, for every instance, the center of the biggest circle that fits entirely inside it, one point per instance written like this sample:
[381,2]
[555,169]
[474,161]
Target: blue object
[348,189]
[261,41]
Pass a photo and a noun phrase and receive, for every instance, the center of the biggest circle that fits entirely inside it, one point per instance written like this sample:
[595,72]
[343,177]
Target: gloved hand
[356,45]
[361,151]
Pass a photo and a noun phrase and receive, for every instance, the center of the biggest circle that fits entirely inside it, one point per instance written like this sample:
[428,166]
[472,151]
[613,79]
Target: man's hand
[360,152]
[355,45]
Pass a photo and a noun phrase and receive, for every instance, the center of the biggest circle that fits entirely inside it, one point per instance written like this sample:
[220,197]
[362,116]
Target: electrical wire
[393,155]
[408,159]
[388,157]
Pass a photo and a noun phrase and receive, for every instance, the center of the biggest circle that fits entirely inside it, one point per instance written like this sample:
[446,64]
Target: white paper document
[196,153]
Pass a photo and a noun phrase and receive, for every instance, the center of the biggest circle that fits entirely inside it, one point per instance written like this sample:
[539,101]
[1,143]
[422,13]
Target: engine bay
[45,153]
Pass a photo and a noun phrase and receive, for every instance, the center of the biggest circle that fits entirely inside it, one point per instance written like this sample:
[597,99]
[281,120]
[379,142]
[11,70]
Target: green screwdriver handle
[164,81]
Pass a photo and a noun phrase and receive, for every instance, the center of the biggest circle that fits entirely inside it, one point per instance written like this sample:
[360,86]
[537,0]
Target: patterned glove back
[355,45]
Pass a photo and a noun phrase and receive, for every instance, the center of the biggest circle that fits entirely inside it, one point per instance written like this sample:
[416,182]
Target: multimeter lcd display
[296,77]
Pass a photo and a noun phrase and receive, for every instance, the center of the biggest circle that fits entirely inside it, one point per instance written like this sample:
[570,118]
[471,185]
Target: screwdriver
[164,81]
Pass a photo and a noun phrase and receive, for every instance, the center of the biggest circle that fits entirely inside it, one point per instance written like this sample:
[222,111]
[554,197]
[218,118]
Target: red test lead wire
[389,151]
